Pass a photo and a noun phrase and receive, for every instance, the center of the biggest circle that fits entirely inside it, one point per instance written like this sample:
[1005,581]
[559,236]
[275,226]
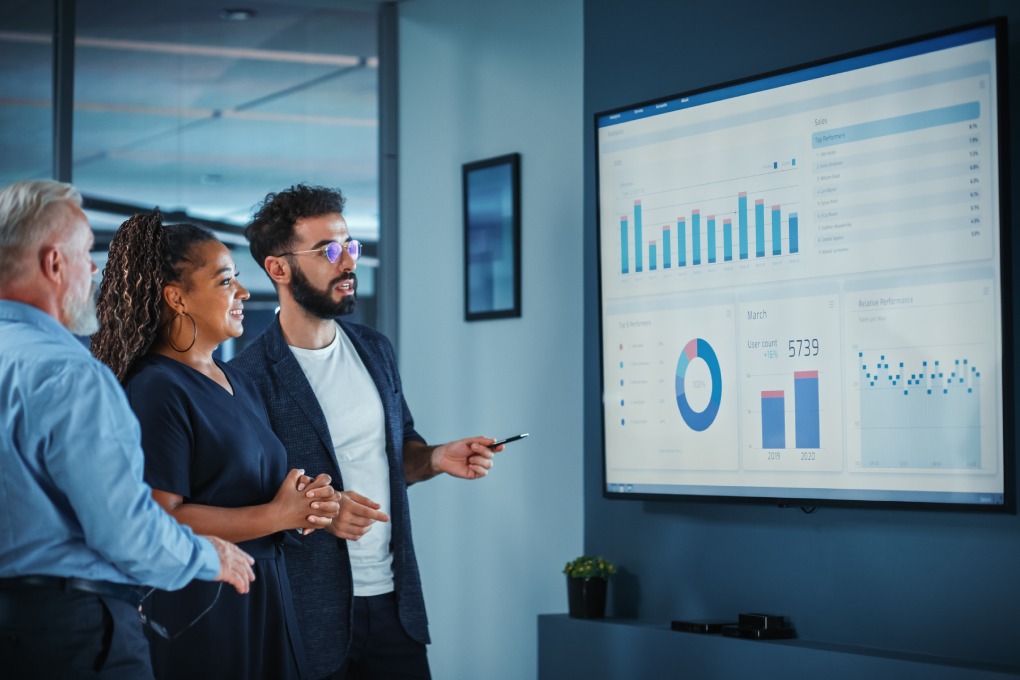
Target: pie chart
[695,350]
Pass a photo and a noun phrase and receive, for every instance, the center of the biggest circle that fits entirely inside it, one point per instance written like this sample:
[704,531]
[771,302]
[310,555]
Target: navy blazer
[320,568]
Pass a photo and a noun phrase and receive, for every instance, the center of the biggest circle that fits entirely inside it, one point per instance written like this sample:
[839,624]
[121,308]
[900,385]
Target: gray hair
[25,218]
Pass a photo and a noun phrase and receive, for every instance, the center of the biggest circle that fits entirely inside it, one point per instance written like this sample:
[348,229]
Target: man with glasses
[335,400]
[79,530]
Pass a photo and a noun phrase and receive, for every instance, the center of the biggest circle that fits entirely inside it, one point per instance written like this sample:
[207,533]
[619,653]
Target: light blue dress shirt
[72,499]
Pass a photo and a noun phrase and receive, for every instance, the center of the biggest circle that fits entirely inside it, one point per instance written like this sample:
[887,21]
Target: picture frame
[492,238]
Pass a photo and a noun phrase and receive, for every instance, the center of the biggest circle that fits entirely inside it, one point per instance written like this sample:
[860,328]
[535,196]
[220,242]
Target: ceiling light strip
[201,50]
[175,112]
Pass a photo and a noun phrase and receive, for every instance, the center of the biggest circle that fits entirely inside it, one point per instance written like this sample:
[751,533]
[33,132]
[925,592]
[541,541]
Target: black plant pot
[586,597]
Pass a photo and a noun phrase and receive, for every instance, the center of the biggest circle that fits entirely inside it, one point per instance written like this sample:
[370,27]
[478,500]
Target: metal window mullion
[63,88]
[388,273]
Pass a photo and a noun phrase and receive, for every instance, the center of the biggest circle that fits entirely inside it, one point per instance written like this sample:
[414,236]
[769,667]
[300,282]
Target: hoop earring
[170,334]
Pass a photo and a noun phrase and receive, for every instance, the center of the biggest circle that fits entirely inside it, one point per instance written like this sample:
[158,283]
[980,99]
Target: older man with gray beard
[79,530]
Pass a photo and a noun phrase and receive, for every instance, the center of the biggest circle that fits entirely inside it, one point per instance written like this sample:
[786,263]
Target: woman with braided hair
[168,298]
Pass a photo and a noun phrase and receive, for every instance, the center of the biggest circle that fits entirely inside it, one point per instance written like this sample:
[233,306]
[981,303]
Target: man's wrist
[420,461]
[435,460]
[210,559]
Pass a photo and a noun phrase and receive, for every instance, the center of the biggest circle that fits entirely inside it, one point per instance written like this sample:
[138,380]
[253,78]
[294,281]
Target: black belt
[130,594]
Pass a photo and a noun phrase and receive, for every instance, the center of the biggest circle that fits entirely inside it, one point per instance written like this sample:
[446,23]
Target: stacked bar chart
[805,399]
[922,416]
[807,431]
[773,419]
[693,239]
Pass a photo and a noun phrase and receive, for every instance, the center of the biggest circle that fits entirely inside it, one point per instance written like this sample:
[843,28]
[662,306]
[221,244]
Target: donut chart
[698,421]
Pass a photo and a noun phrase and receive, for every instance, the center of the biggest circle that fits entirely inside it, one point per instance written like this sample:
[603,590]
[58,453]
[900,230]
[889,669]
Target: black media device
[752,633]
[755,626]
[704,626]
[514,438]
[763,621]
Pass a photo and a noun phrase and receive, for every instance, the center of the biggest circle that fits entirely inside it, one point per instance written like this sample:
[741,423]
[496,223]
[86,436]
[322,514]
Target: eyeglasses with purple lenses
[333,250]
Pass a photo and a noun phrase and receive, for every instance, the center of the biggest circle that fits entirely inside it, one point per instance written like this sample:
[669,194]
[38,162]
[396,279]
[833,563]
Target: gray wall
[480,79]
[928,582]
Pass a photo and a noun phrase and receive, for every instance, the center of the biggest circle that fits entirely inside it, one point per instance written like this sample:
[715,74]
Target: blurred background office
[203,107]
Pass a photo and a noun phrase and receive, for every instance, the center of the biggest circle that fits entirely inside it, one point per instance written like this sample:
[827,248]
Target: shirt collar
[20,312]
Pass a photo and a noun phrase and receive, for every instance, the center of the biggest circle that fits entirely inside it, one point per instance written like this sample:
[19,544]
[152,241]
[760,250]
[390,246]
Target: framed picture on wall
[492,238]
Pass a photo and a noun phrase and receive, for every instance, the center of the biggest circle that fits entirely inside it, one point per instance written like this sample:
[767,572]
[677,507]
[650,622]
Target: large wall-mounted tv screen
[802,283]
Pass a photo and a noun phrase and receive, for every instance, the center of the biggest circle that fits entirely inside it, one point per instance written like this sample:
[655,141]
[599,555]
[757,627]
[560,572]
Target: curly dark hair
[144,256]
[271,230]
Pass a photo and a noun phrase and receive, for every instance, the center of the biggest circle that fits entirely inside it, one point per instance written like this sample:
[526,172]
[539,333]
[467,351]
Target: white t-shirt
[354,414]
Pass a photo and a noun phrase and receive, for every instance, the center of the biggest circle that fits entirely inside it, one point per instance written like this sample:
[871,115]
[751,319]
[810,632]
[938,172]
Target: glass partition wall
[26,91]
[201,111]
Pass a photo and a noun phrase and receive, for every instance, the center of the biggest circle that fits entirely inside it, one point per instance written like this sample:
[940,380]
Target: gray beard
[82,319]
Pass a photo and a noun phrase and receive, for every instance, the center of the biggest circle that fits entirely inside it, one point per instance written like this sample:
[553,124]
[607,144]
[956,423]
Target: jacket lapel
[371,357]
[288,373]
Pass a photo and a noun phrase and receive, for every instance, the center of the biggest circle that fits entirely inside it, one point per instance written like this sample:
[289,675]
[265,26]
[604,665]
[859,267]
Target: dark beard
[321,303]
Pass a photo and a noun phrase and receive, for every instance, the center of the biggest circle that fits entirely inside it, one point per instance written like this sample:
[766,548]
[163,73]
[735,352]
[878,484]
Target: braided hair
[145,255]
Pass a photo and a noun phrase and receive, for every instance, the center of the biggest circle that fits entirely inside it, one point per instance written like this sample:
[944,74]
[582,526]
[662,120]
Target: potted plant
[587,580]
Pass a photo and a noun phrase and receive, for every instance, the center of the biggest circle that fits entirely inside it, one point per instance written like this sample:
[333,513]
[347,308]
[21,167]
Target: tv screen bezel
[1008,506]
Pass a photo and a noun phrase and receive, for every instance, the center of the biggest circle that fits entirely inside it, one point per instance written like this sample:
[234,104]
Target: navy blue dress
[214,448]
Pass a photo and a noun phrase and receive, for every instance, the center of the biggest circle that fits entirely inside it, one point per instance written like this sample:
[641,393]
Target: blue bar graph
[777,233]
[637,236]
[711,239]
[794,236]
[702,246]
[806,411]
[681,242]
[727,240]
[696,237]
[624,255]
[773,419]
[742,223]
[759,227]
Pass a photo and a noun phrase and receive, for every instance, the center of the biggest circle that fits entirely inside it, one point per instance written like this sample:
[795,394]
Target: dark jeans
[380,649]
[55,634]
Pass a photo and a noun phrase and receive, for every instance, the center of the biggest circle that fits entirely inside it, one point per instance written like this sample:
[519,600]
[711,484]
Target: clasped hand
[310,504]
[357,515]
[306,504]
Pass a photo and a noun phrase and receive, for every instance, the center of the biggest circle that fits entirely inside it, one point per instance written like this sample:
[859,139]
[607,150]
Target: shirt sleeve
[167,436]
[95,457]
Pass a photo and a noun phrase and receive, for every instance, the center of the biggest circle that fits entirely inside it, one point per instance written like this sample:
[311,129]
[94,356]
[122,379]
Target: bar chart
[807,429]
[697,235]
[790,368]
